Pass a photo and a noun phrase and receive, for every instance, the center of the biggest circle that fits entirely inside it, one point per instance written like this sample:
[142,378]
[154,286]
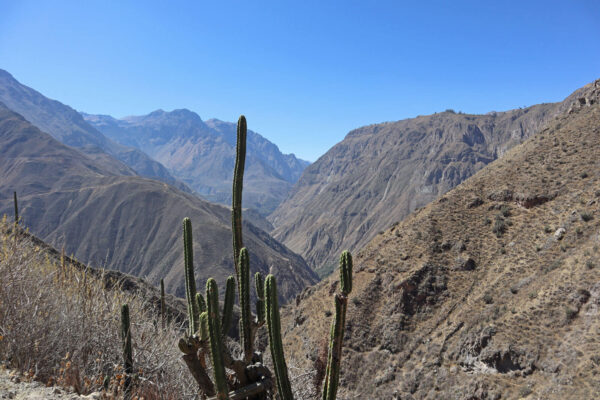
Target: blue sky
[304,73]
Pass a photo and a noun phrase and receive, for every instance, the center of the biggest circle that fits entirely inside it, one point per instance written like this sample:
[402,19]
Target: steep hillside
[490,292]
[202,154]
[380,173]
[127,223]
[66,125]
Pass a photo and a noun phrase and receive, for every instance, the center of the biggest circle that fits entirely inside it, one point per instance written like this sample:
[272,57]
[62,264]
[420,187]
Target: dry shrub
[61,323]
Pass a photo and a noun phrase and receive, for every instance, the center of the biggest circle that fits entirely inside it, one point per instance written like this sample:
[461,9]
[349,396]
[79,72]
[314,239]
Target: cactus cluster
[205,336]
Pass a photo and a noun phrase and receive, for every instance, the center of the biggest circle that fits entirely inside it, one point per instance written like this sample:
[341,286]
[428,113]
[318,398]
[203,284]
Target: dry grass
[59,324]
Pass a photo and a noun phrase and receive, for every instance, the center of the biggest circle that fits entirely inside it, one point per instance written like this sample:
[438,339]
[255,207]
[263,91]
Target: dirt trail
[13,386]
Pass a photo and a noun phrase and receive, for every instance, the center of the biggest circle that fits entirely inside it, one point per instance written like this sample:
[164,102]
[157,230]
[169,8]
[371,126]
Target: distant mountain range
[380,173]
[104,213]
[66,125]
[202,154]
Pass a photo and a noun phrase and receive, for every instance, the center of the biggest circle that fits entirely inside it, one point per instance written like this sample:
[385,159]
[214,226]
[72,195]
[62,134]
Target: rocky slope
[66,125]
[202,154]
[380,173]
[126,223]
[490,292]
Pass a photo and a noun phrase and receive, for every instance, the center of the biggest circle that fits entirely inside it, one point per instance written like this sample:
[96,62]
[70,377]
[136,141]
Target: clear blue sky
[304,73]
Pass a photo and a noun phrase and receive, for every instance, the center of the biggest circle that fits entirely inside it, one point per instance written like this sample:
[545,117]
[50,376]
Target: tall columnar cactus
[245,315]
[260,302]
[238,184]
[332,372]
[274,326]
[216,339]
[228,304]
[127,351]
[163,311]
[190,280]
[16,208]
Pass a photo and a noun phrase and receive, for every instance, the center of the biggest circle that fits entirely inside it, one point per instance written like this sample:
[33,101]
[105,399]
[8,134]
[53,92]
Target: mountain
[202,154]
[66,125]
[492,291]
[380,173]
[127,223]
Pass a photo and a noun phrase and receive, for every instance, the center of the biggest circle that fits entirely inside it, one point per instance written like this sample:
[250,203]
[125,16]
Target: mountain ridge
[127,223]
[379,173]
[67,125]
[202,154]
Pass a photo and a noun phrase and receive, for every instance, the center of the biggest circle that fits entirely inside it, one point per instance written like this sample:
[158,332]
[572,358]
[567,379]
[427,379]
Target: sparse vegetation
[67,330]
[586,216]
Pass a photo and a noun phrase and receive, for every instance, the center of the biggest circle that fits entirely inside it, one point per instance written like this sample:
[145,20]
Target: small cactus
[228,304]
[16,208]
[201,302]
[332,372]
[274,326]
[260,302]
[163,313]
[127,351]
[216,339]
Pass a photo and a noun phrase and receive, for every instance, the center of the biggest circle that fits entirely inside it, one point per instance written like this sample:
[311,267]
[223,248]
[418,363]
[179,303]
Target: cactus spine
[127,352]
[16,208]
[238,183]
[216,340]
[163,311]
[274,325]
[260,293]
[228,304]
[332,372]
[190,280]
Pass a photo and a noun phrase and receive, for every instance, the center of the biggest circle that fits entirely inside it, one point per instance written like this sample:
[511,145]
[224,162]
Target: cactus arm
[245,315]
[260,303]
[274,326]
[127,351]
[238,183]
[228,304]
[332,372]
[346,272]
[190,280]
[216,339]
[200,302]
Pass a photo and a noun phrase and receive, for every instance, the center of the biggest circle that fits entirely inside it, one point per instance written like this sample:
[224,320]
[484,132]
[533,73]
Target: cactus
[238,183]
[190,280]
[216,340]
[16,208]
[228,304]
[201,303]
[260,303]
[209,328]
[127,352]
[163,311]
[332,372]
[244,290]
[274,325]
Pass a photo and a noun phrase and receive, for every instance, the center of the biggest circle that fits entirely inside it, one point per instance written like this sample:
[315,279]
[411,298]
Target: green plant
[127,351]
[587,216]
[163,316]
[16,208]
[250,377]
